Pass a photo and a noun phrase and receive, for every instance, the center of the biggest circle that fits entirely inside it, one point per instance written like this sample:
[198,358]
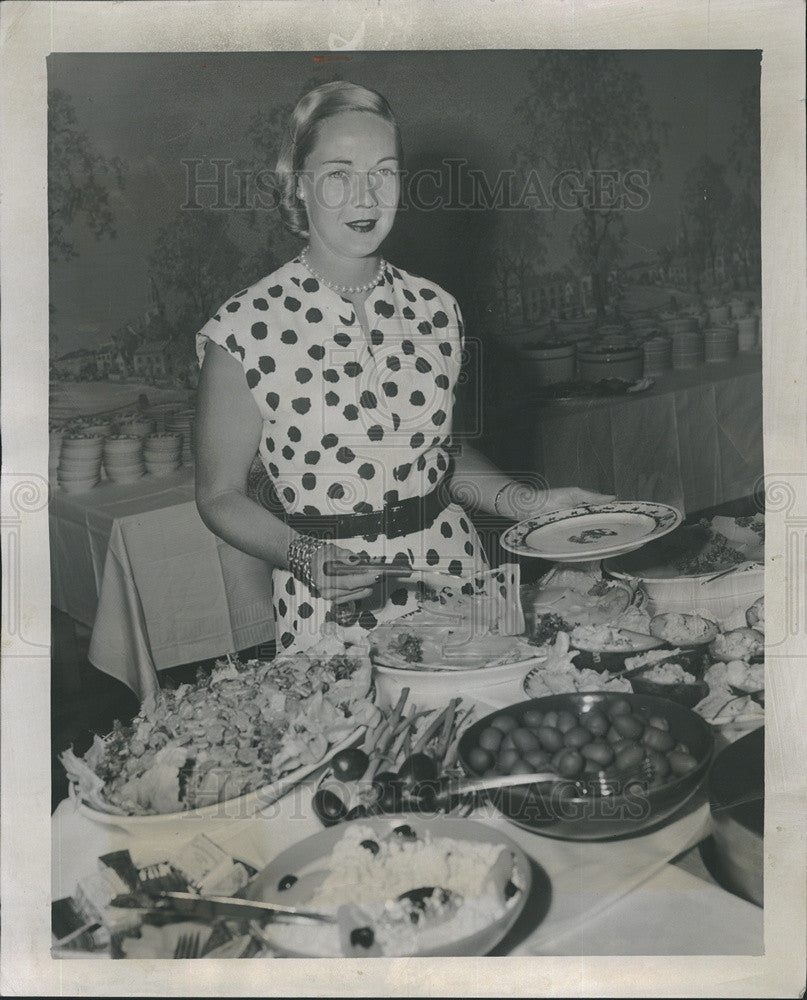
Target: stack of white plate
[720,344]
[687,349]
[123,458]
[657,355]
[748,332]
[182,423]
[162,453]
[79,465]
[138,426]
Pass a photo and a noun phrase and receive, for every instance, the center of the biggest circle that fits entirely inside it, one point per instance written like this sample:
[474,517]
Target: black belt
[395,520]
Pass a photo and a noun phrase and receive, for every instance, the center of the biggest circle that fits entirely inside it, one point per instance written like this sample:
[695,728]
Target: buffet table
[694,439]
[137,564]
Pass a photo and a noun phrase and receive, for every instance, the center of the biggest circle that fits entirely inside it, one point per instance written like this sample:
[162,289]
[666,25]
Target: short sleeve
[225,329]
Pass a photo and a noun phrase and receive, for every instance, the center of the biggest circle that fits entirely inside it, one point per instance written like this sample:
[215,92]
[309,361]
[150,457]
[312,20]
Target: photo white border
[28,32]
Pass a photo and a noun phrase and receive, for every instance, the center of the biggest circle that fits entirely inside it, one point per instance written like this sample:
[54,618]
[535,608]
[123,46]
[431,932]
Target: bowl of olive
[624,762]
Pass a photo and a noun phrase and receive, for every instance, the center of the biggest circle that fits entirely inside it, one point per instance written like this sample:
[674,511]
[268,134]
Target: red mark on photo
[330,58]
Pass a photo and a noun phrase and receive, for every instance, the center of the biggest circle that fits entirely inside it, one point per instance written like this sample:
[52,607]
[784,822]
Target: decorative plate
[591,531]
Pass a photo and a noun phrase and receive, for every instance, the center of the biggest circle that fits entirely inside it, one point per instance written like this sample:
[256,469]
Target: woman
[339,370]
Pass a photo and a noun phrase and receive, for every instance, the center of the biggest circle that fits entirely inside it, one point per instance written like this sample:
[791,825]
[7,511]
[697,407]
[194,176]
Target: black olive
[510,890]
[330,809]
[350,764]
[405,832]
[358,812]
[371,846]
[286,882]
[362,936]
[416,769]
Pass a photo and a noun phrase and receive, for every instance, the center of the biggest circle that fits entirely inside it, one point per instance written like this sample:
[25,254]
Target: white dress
[350,425]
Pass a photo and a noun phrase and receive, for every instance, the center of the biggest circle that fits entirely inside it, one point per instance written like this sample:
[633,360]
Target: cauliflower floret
[755,615]
[739,644]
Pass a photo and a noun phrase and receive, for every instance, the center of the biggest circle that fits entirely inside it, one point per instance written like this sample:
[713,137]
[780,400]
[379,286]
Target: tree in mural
[585,113]
[744,219]
[707,207]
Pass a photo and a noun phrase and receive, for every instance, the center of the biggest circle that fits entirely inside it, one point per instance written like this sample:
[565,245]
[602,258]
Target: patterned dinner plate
[591,531]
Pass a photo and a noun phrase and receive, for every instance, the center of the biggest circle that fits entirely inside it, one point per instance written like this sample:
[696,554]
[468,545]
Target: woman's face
[349,184]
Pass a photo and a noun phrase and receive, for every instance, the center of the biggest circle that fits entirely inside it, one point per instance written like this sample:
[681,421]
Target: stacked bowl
[748,332]
[687,349]
[79,465]
[720,344]
[123,458]
[138,426]
[657,355]
[182,423]
[162,453]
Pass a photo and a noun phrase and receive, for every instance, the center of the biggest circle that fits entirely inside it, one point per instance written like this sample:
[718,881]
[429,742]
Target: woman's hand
[572,496]
[344,587]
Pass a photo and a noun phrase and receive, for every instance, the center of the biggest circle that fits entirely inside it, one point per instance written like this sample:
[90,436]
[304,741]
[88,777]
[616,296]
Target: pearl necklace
[345,289]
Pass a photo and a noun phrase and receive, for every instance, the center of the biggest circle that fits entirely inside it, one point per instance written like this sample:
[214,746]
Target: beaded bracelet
[300,554]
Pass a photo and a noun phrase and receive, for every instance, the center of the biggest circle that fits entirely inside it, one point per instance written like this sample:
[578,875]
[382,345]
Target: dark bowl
[560,810]
[612,660]
[687,695]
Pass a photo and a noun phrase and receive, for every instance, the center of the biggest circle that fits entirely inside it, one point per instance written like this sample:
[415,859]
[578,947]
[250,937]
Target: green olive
[532,718]
[508,743]
[506,759]
[551,719]
[658,739]
[681,763]
[661,766]
[539,760]
[577,737]
[504,723]
[519,766]
[570,764]
[566,721]
[490,739]
[524,739]
[550,738]
[659,722]
[595,722]
[599,752]
[618,706]
[613,735]
[480,759]
[629,726]
[629,758]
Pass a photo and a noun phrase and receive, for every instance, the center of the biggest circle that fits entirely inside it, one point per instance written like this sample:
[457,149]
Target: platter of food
[591,531]
[591,389]
[419,888]
[229,744]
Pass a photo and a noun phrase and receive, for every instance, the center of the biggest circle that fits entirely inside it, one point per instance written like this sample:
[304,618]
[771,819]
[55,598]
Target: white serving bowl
[77,485]
[80,471]
[163,442]
[122,444]
[126,477]
[89,445]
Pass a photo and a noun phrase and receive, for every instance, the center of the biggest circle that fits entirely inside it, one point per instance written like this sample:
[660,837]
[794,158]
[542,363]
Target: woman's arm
[477,481]
[228,432]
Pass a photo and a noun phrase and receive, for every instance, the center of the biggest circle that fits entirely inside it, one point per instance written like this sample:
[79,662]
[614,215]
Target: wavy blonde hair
[301,133]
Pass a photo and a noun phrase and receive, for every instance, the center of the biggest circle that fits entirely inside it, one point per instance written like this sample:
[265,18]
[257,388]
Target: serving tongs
[335,567]
[208,907]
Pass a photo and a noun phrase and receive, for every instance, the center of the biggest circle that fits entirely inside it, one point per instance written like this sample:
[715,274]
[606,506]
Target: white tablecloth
[136,562]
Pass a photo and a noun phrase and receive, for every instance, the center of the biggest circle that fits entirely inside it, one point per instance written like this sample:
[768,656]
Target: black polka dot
[290,589]
[233,307]
[421,463]
[407,312]
[464,525]
[417,398]
[317,352]
[391,496]
[289,494]
[399,596]
[442,464]
[312,457]
[396,421]
[407,347]
[376,338]
[366,470]
[409,295]
[468,589]
[432,557]
[253,377]
[309,480]
[331,398]
[330,441]
[276,291]
[446,530]
[441,381]
[272,400]
[375,433]
[310,285]
[303,375]
[352,369]
[259,330]
[336,491]
[313,315]
[235,347]
[351,412]
[286,639]
[445,348]
[302,404]
[305,610]
[438,417]
[281,606]
[423,366]
[270,444]
[273,469]
[291,303]
[295,434]
[310,511]
[440,319]
[385,309]
[341,339]
[431,475]
[394,363]
[425,327]
[287,452]
[362,507]
[344,455]
[288,337]
[416,440]
[331,375]
[390,388]
[402,471]
[455,567]
[427,294]
[469,548]
[261,304]
[368,400]
[266,363]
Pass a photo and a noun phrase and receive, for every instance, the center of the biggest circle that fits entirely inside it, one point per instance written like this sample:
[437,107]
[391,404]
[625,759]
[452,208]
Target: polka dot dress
[351,422]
